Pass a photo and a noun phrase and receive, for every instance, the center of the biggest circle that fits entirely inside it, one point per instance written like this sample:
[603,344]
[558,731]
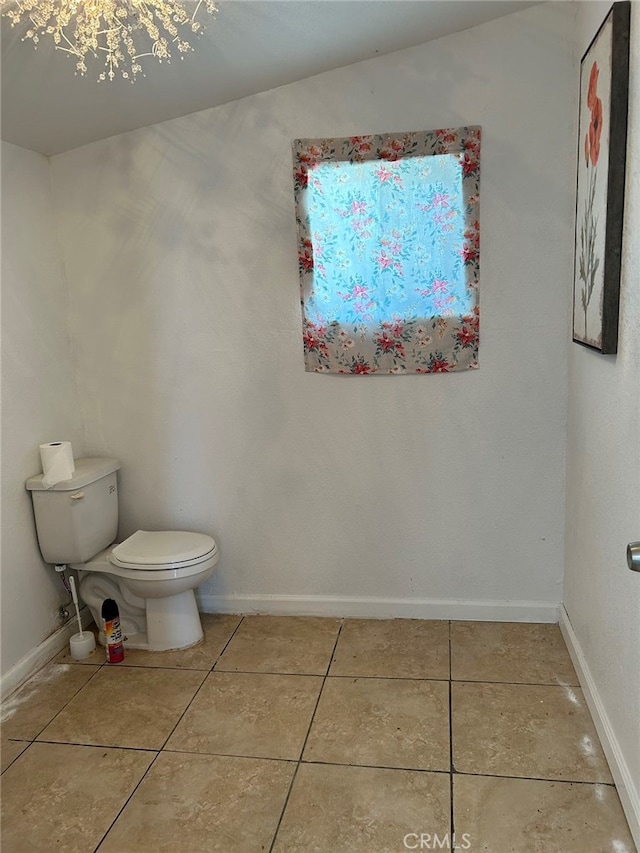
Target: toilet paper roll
[57,462]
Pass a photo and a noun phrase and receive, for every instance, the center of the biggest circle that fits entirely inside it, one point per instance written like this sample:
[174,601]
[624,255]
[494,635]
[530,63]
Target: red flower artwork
[595,129]
[589,263]
[593,85]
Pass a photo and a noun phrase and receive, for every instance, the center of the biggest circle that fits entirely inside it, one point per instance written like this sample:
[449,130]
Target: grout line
[98,745]
[515,683]
[28,743]
[71,698]
[446,679]
[304,744]
[269,672]
[207,673]
[376,767]
[391,677]
[165,743]
[533,778]
[126,803]
[183,751]
[324,680]
[316,761]
[224,648]
[154,667]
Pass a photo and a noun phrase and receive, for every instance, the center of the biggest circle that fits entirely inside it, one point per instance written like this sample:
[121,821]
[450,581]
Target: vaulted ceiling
[251,46]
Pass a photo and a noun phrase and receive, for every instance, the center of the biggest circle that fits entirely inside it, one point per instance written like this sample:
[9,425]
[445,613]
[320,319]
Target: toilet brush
[83,643]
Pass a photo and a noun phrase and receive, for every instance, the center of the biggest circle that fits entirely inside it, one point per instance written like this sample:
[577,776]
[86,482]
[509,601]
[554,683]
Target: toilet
[152,575]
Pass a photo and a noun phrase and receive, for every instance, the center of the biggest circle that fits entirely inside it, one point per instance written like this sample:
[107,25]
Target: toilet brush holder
[82,645]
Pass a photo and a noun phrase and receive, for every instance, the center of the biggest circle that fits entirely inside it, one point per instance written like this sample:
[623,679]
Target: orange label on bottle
[113,634]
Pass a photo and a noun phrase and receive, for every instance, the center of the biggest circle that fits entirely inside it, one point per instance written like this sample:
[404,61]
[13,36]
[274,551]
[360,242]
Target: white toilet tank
[77,518]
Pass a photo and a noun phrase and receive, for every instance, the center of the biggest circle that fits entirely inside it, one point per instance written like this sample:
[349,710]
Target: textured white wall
[602,596]
[180,251]
[39,393]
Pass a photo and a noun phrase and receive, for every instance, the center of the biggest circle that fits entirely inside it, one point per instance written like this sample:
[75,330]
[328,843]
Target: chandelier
[121,32]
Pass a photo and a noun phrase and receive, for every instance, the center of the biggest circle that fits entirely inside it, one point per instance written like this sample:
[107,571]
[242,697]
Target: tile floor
[292,734]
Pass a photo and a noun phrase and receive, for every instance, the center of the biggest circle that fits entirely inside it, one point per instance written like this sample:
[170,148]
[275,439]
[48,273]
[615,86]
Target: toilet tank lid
[88,470]
[161,547]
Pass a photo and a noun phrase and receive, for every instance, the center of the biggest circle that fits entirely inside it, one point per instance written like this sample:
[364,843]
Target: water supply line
[64,608]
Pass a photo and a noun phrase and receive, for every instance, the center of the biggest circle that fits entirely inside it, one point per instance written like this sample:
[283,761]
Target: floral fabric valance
[389,251]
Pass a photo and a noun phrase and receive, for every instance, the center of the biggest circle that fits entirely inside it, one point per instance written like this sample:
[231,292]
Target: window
[389,251]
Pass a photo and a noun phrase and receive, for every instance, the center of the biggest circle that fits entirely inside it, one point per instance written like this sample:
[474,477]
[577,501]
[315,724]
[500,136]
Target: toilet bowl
[152,576]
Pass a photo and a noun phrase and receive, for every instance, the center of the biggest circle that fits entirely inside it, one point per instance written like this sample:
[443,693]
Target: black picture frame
[600,182]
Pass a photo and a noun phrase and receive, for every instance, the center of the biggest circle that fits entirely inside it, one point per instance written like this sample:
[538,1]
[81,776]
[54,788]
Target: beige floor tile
[200,803]
[10,750]
[126,706]
[393,648]
[382,722]
[96,658]
[535,731]
[353,809]
[285,644]
[27,711]
[251,714]
[217,630]
[61,797]
[510,651]
[523,815]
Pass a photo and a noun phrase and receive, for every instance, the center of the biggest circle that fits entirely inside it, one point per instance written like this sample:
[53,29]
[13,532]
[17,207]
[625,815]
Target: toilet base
[141,641]
[152,624]
[173,622]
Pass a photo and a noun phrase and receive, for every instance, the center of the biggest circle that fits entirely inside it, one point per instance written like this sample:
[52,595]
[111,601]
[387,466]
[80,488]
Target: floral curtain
[389,251]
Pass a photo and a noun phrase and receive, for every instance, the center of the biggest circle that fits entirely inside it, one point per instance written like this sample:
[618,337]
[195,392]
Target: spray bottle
[112,631]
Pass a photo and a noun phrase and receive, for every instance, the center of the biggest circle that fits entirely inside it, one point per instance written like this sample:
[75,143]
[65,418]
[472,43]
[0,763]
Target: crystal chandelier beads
[121,32]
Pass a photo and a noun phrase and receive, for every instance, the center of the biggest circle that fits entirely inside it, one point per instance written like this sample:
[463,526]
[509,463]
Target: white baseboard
[628,789]
[37,657]
[381,608]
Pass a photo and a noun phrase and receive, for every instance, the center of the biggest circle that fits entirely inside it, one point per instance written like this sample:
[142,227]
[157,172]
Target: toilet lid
[156,548]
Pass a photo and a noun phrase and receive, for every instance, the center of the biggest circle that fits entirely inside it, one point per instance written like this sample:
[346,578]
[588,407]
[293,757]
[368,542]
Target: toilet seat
[162,550]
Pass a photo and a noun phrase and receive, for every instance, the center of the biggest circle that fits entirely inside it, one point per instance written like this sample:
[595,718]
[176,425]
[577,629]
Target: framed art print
[604,90]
